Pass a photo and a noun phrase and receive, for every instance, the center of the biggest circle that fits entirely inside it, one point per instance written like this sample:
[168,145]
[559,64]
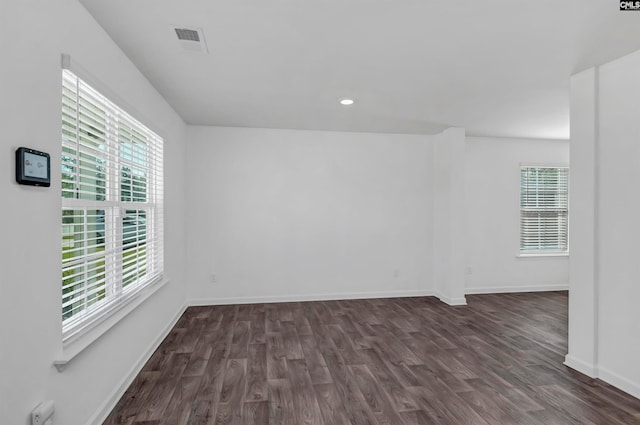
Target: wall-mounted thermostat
[33,167]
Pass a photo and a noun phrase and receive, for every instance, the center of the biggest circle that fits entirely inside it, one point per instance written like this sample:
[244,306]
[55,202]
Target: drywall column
[618,268]
[583,262]
[449,234]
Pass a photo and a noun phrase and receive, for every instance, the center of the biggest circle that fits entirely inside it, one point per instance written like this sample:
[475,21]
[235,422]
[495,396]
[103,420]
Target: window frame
[541,253]
[118,299]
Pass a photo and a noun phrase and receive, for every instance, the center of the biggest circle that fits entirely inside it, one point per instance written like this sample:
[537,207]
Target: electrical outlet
[212,278]
[42,414]
[396,273]
[468,270]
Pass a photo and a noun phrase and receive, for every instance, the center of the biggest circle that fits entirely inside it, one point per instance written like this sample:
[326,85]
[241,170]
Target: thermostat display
[33,167]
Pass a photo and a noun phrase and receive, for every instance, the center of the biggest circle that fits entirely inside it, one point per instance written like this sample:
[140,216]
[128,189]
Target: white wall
[492,193]
[284,214]
[288,214]
[33,35]
[606,345]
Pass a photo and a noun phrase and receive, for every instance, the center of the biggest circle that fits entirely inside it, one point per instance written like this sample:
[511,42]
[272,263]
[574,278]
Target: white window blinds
[544,213]
[112,206]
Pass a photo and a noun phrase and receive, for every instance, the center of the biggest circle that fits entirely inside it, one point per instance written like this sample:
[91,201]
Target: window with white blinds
[544,210]
[112,206]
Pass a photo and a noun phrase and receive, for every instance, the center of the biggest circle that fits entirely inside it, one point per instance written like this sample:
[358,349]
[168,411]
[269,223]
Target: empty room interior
[329,213]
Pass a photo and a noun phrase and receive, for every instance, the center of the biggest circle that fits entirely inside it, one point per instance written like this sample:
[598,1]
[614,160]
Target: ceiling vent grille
[190,39]
[187,34]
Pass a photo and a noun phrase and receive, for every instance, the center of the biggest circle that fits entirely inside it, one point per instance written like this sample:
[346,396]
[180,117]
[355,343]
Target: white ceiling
[495,67]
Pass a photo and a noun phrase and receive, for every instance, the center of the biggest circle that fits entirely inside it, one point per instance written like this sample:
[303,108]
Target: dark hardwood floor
[402,361]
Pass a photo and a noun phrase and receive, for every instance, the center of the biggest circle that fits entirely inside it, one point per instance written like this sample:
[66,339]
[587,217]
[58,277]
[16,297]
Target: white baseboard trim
[451,301]
[309,297]
[515,289]
[111,401]
[620,382]
[581,366]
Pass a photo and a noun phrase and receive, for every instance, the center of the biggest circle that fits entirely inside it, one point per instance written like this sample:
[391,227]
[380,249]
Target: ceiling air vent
[187,34]
[190,39]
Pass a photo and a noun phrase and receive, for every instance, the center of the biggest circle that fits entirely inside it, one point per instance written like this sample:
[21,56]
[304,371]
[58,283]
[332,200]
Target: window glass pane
[95,230]
[133,184]
[134,253]
[92,168]
[72,234]
[543,209]
[69,138]
[135,163]
[69,172]
[83,260]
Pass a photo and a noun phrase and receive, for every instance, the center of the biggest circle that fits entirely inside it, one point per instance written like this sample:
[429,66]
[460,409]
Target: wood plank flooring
[402,361]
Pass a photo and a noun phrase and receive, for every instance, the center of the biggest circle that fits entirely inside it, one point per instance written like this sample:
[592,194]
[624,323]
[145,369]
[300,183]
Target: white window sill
[77,344]
[523,255]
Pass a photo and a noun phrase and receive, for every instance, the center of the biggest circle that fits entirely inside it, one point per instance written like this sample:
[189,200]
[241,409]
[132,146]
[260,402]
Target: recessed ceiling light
[346,101]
